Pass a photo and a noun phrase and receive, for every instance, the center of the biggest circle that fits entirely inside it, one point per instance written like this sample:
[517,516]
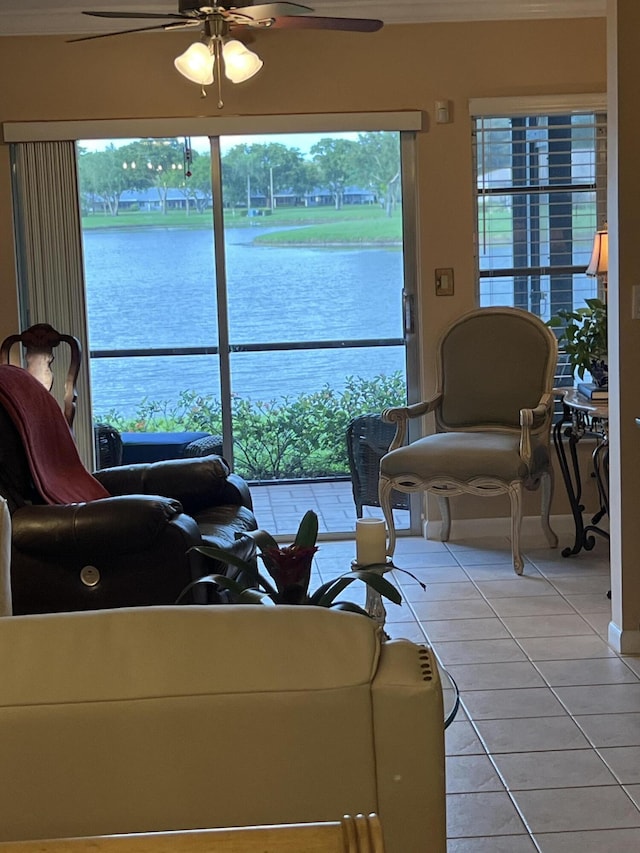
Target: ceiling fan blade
[142,15]
[359,25]
[271,10]
[138,30]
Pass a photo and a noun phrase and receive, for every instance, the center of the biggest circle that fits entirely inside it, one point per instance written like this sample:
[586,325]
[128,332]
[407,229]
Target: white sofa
[166,718]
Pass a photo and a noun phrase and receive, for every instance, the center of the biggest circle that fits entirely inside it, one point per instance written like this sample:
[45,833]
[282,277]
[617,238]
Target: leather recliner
[126,550]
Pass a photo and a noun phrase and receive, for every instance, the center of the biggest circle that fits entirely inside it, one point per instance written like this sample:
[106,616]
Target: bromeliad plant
[289,570]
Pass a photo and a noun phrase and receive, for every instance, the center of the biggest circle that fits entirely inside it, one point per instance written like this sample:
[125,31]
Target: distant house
[151,200]
[350,195]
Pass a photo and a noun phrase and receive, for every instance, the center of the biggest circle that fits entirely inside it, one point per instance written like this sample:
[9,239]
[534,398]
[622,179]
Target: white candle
[371,541]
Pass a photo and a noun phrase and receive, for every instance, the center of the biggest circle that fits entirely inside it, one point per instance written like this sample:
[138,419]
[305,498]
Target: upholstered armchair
[79,543]
[492,407]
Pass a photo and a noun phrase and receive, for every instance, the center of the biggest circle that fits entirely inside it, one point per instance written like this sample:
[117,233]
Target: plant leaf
[219,581]
[380,584]
[263,539]
[390,567]
[223,556]
[350,607]
[326,593]
[308,530]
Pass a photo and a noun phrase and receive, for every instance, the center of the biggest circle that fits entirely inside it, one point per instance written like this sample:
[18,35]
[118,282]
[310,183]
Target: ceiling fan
[204,61]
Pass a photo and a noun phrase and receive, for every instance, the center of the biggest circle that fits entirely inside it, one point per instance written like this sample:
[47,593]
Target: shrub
[286,438]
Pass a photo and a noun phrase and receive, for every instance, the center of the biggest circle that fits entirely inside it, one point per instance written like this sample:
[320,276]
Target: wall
[401,67]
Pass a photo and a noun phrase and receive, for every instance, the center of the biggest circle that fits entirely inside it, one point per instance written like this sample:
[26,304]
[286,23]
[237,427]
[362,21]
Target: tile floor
[544,754]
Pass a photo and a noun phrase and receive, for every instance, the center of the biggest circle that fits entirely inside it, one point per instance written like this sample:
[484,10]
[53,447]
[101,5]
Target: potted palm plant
[583,337]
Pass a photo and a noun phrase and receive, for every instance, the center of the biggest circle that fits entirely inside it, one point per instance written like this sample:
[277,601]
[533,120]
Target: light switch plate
[444,281]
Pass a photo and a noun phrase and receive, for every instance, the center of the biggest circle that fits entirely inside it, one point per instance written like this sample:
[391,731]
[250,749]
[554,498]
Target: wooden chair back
[39,343]
[360,834]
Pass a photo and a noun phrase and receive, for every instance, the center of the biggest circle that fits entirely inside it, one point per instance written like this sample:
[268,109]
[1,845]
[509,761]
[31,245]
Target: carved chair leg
[546,485]
[515,497]
[385,488]
[445,512]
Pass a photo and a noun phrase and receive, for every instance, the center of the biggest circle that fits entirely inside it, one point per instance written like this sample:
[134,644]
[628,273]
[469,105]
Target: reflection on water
[156,288]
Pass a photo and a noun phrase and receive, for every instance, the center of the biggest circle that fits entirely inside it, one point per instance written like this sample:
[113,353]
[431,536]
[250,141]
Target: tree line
[249,170]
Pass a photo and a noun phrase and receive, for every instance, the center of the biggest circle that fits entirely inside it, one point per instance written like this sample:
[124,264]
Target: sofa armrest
[407,697]
[197,483]
[116,525]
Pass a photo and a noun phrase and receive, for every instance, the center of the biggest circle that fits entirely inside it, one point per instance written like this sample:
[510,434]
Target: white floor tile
[564,810]
[567,768]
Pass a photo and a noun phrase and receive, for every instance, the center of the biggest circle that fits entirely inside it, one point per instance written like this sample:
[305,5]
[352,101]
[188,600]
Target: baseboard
[624,642]
[476,528]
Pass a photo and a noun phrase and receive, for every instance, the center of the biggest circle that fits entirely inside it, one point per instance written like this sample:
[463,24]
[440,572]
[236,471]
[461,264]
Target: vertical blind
[50,259]
[541,195]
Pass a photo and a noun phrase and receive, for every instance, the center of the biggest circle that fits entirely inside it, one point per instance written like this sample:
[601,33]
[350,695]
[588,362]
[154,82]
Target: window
[541,195]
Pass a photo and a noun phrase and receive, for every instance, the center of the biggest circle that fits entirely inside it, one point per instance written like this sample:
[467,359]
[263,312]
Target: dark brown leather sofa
[127,550]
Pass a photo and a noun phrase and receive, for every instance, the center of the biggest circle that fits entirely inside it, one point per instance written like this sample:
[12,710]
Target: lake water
[156,288]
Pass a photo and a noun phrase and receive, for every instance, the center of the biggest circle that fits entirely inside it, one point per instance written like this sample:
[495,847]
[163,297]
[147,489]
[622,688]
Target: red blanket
[56,468]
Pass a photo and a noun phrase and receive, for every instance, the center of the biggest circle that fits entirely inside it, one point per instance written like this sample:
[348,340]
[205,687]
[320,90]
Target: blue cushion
[155,446]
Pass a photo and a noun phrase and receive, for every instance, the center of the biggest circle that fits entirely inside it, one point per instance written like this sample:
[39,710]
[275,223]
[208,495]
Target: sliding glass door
[249,288]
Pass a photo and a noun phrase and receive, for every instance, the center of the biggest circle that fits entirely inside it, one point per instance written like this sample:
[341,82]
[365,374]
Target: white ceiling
[52,17]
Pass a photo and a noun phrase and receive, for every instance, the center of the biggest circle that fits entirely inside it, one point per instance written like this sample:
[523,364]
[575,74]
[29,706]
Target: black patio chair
[368,439]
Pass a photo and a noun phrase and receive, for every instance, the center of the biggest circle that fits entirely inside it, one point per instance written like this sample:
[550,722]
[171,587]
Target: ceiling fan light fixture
[196,64]
[240,63]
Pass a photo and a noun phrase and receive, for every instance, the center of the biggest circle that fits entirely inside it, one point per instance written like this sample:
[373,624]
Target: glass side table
[582,417]
[450,695]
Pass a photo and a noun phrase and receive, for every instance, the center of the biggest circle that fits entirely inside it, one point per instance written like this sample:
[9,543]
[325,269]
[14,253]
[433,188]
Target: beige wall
[401,67]
[624,330]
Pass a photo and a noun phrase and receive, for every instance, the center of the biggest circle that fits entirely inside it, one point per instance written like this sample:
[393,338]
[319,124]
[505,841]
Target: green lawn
[351,224]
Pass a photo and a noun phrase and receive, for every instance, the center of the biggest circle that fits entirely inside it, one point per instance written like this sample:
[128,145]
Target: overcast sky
[302,141]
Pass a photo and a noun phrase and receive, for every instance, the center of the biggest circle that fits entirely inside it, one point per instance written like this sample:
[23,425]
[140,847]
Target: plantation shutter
[540,196]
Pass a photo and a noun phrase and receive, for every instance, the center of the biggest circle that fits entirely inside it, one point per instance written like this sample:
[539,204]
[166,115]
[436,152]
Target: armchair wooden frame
[522,437]
[39,342]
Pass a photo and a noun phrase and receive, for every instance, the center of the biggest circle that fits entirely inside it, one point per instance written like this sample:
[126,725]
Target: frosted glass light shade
[240,63]
[196,64]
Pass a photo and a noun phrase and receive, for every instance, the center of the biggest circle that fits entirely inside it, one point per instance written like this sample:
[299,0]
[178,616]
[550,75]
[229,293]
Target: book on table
[592,391]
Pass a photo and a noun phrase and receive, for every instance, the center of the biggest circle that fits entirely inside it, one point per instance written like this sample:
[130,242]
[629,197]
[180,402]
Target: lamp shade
[196,64]
[599,263]
[240,63]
